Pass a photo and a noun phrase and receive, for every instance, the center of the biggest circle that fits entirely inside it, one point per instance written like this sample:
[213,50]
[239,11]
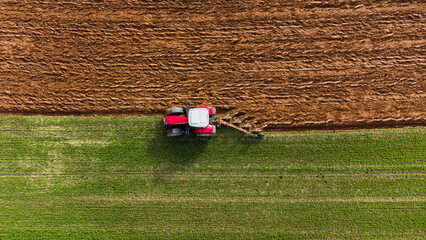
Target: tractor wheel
[175,111]
[174,132]
[204,135]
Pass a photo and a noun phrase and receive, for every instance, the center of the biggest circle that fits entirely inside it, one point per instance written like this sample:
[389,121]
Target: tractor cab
[198,117]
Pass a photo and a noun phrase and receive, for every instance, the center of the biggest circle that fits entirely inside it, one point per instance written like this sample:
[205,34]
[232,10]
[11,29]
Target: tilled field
[288,64]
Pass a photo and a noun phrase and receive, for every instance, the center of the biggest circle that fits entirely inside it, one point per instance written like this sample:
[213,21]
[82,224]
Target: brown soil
[291,64]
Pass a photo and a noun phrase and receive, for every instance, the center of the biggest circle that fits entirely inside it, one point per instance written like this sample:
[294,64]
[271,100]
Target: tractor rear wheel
[175,111]
[204,135]
[174,132]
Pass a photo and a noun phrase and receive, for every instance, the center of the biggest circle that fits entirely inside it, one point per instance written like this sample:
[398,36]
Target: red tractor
[201,121]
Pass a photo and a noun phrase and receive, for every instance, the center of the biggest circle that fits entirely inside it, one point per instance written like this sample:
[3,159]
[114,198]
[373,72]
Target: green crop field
[121,178]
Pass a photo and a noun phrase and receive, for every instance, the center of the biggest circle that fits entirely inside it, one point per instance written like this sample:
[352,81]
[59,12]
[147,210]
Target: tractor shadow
[173,154]
[176,154]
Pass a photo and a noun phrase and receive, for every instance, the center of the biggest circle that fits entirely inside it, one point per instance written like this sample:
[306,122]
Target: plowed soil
[288,64]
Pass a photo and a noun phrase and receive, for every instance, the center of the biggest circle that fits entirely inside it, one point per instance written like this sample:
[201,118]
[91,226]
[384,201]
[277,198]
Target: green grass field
[106,178]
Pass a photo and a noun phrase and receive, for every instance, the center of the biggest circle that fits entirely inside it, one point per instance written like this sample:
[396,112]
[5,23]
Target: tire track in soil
[289,64]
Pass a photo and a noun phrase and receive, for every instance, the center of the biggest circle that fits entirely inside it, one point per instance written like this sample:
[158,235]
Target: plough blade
[229,116]
[239,120]
[260,129]
[249,125]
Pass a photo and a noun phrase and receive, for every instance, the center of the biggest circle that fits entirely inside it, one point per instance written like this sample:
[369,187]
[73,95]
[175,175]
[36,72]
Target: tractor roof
[198,117]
